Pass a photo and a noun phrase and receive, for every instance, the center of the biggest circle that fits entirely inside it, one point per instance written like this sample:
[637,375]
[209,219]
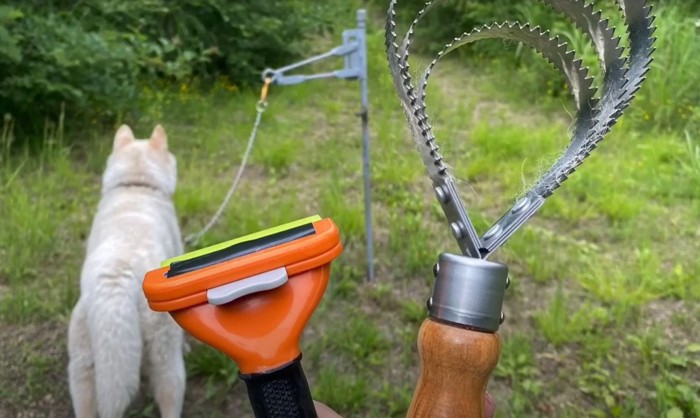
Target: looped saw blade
[597,112]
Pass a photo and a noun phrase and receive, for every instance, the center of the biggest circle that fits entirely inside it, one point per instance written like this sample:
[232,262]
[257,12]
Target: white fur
[112,330]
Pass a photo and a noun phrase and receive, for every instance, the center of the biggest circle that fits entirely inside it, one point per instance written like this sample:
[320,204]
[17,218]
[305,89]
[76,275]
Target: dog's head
[141,162]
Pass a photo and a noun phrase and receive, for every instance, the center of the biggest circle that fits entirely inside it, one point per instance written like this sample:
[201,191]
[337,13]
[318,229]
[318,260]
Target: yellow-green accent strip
[251,237]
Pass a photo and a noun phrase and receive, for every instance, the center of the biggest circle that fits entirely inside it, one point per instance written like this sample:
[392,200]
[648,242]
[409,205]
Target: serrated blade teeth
[623,71]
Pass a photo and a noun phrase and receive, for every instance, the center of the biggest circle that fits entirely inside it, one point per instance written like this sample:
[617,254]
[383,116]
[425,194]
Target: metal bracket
[353,50]
[354,54]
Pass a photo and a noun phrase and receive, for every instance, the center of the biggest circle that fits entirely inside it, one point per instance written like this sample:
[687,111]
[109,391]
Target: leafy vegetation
[93,58]
[602,315]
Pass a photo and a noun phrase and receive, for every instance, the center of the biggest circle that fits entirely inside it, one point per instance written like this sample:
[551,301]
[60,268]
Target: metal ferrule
[468,292]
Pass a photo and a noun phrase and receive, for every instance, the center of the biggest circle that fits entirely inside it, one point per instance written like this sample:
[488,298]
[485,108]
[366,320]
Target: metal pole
[354,51]
[364,116]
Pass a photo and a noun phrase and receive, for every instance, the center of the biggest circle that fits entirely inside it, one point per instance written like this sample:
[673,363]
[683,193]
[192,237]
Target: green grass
[562,322]
[220,374]
[603,310]
[519,371]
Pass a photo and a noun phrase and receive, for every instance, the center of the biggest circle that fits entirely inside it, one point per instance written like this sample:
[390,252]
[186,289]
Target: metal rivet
[520,205]
[441,195]
[507,282]
[503,317]
[493,231]
[436,269]
[456,230]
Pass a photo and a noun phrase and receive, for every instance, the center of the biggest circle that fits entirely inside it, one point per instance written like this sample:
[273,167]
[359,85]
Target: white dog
[112,328]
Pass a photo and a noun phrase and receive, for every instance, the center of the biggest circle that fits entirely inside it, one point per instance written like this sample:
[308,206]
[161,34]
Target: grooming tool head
[250,297]
[186,280]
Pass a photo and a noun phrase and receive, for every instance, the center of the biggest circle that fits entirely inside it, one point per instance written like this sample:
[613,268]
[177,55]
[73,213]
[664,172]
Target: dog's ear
[123,137]
[159,140]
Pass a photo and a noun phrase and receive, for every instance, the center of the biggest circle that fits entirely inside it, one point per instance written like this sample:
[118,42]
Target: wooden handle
[455,365]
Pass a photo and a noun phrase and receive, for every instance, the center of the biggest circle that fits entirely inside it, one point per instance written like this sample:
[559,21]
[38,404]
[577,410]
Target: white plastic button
[264,281]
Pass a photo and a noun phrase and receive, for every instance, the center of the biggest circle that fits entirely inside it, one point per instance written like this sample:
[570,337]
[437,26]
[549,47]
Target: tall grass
[616,241]
[671,97]
[691,165]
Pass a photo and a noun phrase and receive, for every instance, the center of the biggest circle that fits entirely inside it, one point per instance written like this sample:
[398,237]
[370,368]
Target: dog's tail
[115,334]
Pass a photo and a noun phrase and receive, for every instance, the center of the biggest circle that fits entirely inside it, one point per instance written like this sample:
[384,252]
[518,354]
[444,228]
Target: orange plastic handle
[260,331]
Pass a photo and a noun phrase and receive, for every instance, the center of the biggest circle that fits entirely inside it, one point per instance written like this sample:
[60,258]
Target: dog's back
[112,327]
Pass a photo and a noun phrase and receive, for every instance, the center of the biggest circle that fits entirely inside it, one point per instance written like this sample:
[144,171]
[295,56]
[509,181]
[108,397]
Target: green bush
[449,18]
[48,60]
[90,57]
[235,38]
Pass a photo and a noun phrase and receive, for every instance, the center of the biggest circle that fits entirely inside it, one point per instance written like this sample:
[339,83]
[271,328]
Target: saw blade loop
[622,78]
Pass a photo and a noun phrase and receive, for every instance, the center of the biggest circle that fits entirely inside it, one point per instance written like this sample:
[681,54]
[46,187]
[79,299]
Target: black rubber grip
[282,393]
